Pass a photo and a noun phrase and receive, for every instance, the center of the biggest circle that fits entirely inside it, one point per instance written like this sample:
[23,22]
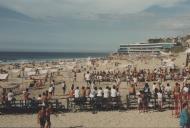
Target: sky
[88,25]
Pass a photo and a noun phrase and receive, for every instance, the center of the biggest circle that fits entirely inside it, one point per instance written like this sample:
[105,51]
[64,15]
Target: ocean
[14,57]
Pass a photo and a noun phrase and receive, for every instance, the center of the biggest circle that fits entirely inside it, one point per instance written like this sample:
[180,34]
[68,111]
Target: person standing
[41,118]
[184,116]
[87,78]
[63,87]
[48,114]
[160,99]
[10,97]
[53,85]
[50,90]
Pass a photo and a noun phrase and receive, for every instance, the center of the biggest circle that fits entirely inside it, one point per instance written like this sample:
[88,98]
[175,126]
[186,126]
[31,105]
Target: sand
[114,119]
[128,118]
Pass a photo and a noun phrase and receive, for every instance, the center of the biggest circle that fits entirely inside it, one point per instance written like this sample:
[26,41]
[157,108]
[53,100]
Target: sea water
[15,57]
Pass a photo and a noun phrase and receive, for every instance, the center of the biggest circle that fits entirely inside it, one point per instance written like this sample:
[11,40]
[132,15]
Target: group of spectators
[8,98]
[87,92]
[142,75]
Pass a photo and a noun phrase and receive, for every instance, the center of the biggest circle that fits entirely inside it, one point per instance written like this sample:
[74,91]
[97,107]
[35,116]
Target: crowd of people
[87,92]
[180,92]
[142,75]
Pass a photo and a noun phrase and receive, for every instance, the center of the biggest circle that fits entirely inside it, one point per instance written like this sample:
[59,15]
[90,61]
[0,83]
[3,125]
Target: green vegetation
[177,49]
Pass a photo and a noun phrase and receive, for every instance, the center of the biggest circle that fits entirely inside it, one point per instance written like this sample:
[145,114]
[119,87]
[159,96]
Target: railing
[28,106]
[93,104]
[168,102]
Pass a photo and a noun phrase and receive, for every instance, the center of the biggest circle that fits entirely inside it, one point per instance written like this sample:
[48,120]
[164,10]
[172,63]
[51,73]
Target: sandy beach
[123,119]
[107,119]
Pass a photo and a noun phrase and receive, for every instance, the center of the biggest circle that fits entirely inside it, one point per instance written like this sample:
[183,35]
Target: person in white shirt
[50,90]
[87,78]
[185,89]
[106,92]
[160,96]
[113,92]
[10,96]
[100,92]
[77,92]
[93,92]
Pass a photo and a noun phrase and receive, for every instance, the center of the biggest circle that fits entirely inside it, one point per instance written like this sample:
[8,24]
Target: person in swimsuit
[42,117]
[48,113]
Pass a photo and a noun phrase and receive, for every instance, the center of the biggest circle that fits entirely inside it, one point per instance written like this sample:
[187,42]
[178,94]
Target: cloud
[82,9]
[176,23]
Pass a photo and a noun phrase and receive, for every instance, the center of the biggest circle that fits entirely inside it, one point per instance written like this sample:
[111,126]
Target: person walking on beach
[48,112]
[41,118]
[184,117]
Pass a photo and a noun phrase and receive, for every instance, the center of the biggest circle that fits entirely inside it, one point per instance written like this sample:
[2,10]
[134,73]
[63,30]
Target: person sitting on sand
[41,117]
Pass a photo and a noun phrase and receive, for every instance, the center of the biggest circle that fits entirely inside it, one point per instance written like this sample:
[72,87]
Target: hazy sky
[88,25]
